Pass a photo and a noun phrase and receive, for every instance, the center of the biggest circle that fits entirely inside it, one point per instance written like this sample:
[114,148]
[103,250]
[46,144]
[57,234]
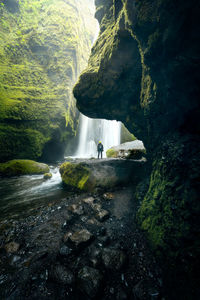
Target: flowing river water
[20,196]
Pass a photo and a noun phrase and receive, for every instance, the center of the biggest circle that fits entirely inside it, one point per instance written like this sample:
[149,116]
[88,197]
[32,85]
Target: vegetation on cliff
[43,47]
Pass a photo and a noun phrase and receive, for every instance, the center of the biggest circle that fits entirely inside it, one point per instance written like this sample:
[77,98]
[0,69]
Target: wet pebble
[89,281]
[113,259]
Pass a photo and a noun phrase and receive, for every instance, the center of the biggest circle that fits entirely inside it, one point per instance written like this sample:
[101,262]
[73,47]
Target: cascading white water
[94,130]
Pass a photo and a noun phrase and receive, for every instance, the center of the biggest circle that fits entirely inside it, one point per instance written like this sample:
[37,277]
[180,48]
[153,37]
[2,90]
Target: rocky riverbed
[86,246]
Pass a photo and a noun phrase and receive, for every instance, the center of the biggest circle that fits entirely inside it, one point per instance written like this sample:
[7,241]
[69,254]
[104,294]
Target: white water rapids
[94,130]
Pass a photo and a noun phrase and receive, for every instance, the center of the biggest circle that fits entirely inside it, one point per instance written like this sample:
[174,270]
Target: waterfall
[94,130]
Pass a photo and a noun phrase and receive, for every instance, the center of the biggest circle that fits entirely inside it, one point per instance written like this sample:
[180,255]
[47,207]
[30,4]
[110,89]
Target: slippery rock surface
[59,254]
[92,174]
[144,71]
[43,47]
[133,150]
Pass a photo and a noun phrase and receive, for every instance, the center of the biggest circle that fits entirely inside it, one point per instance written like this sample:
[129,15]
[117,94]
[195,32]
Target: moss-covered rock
[43,47]
[22,167]
[129,150]
[47,176]
[87,176]
[111,153]
[126,135]
[77,176]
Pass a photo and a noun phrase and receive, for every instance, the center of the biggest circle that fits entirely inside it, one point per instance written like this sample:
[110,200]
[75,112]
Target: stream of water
[94,130]
[21,195]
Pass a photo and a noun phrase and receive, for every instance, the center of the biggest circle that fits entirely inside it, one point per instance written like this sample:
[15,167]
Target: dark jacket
[99,147]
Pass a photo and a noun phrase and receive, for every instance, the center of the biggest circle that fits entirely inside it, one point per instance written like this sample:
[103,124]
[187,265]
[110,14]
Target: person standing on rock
[100,149]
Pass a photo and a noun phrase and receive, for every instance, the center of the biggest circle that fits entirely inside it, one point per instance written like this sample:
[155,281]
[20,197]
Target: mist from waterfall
[94,130]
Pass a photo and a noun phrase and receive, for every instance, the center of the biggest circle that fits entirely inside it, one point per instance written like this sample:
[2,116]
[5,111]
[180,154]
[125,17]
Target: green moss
[47,176]
[126,136]
[43,46]
[22,167]
[77,176]
[111,153]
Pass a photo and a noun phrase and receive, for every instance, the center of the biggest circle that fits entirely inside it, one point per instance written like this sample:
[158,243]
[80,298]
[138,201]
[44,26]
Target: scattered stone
[97,207]
[93,221]
[108,196]
[47,176]
[146,289]
[113,259]
[76,209]
[81,237]
[65,251]
[89,200]
[102,215]
[66,236]
[89,281]
[62,275]
[12,247]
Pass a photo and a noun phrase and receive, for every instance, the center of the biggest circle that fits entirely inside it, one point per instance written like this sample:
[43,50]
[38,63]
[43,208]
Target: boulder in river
[22,167]
[77,176]
[129,150]
[47,176]
[105,173]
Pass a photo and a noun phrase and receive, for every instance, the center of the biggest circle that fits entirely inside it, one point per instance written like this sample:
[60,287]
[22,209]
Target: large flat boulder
[88,175]
[129,150]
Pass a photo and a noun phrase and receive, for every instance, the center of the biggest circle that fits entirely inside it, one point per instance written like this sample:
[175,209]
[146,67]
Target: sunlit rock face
[43,47]
[143,70]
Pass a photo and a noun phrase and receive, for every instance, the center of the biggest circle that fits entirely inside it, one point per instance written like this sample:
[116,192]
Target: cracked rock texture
[144,71]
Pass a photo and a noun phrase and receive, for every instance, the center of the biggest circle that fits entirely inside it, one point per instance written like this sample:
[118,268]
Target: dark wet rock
[65,251]
[80,238]
[15,259]
[104,240]
[101,231]
[89,281]
[66,236]
[92,174]
[146,289]
[113,259]
[62,274]
[121,295]
[93,221]
[102,215]
[76,209]
[12,247]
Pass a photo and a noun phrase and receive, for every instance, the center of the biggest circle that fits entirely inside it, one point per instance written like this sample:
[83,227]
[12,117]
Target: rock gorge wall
[143,70]
[43,47]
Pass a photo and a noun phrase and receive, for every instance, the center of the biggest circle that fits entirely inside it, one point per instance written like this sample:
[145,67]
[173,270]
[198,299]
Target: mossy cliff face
[143,70]
[43,47]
